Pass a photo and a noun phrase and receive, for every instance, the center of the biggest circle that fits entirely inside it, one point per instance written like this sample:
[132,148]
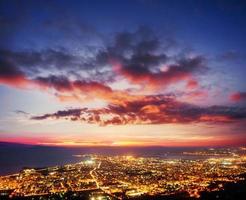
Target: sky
[123,73]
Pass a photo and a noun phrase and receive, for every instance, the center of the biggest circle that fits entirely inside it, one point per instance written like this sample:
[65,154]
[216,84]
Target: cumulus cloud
[10,74]
[153,109]
[140,58]
[33,61]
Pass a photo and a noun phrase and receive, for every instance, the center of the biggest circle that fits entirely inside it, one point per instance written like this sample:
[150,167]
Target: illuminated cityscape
[131,177]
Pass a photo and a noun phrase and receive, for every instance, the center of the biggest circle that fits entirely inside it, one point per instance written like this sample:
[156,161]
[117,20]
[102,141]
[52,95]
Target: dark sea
[15,157]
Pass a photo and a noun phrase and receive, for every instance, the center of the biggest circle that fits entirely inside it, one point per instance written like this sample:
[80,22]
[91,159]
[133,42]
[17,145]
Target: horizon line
[121,146]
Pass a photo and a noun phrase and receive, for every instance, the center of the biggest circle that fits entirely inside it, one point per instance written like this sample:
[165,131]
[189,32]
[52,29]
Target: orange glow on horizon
[127,143]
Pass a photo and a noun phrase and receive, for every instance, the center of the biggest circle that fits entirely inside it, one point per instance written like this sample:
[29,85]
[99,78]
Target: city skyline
[123,73]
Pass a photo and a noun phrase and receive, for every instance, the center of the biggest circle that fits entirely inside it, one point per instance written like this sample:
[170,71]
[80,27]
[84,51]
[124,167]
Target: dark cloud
[60,114]
[8,69]
[76,90]
[57,61]
[10,74]
[140,57]
[21,112]
[42,60]
[134,47]
[182,70]
[60,83]
[154,109]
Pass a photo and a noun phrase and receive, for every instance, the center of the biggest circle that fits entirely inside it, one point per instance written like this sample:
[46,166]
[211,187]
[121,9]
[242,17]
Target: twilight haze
[123,73]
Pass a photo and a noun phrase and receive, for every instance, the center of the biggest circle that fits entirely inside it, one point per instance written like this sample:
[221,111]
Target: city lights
[128,176]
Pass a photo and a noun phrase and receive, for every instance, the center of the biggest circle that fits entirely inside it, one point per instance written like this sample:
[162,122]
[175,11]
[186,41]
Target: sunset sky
[119,73]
